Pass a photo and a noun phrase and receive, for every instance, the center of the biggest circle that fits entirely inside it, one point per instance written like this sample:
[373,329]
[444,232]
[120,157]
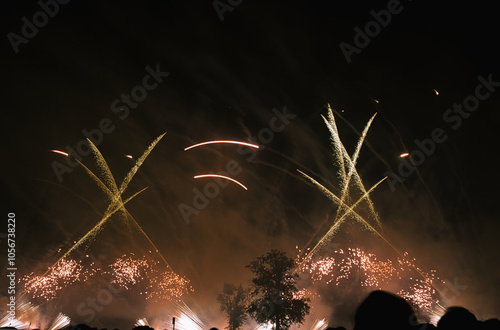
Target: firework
[59,276]
[267,326]
[251,145]
[60,152]
[127,271]
[186,319]
[142,322]
[320,325]
[354,264]
[47,285]
[345,210]
[349,179]
[24,312]
[221,177]
[60,322]
[168,286]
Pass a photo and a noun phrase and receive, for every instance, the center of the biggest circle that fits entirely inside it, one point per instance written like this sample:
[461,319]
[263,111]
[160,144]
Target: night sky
[226,75]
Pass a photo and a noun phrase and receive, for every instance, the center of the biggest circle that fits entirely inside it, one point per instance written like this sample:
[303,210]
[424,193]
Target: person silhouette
[457,318]
[384,310]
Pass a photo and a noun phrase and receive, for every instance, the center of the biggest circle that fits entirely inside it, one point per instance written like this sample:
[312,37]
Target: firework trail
[141,322]
[60,322]
[338,145]
[125,271]
[221,177]
[60,152]
[320,325]
[352,169]
[343,210]
[24,313]
[223,141]
[112,191]
[338,114]
[350,209]
[347,173]
[187,319]
[138,164]
[267,326]
[115,194]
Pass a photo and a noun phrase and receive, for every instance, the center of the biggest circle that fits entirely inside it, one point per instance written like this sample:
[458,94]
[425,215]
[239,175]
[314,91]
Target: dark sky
[224,80]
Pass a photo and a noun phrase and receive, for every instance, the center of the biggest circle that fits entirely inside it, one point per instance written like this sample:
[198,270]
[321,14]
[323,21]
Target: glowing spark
[355,264]
[338,222]
[60,152]
[63,273]
[343,159]
[220,176]
[128,271]
[404,154]
[60,322]
[320,325]
[435,91]
[267,326]
[129,156]
[186,319]
[376,101]
[168,286]
[117,204]
[223,141]
[141,322]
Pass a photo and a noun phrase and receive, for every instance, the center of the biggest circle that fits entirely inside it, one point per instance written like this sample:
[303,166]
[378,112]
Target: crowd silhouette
[382,310]
[385,311]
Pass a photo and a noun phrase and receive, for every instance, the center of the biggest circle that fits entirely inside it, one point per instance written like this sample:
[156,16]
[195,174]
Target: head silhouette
[383,310]
[457,318]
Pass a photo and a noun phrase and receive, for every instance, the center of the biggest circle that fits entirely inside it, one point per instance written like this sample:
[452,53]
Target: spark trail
[221,177]
[348,176]
[251,145]
[351,161]
[350,209]
[60,152]
[344,209]
[114,193]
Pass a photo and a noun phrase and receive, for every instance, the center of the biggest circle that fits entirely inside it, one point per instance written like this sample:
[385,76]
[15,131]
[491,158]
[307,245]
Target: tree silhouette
[233,301]
[274,295]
